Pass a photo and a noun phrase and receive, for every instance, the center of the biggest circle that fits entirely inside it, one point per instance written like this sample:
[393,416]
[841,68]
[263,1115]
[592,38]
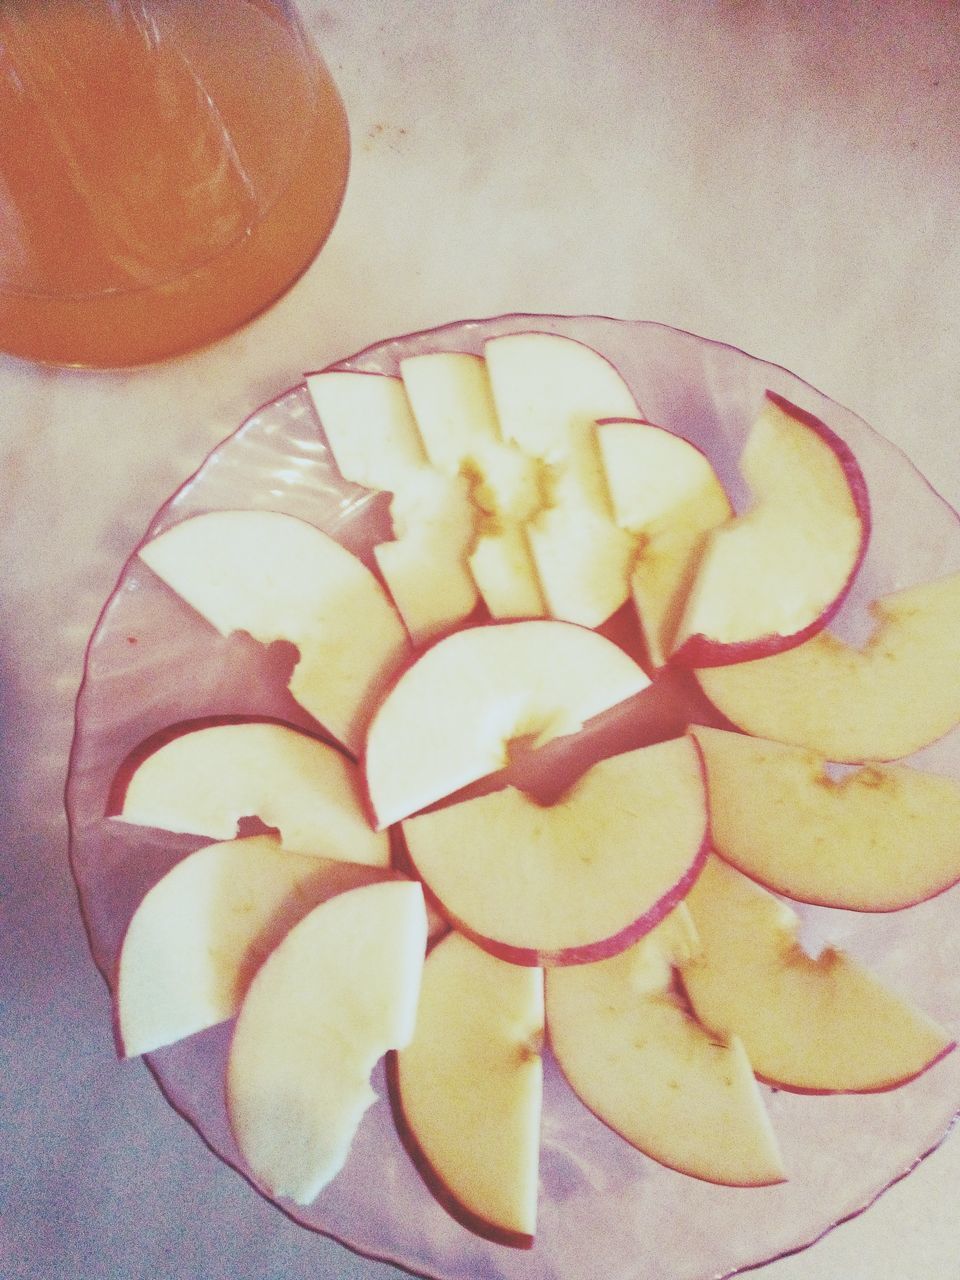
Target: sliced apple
[338,992]
[549,392]
[882,702]
[200,934]
[426,566]
[632,1051]
[205,780]
[279,578]
[468,1088]
[773,577]
[453,406]
[667,496]
[816,1025]
[371,432]
[375,442]
[450,716]
[881,838]
[576,880]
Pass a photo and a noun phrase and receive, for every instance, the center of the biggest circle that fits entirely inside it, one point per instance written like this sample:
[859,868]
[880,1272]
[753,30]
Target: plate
[604,1208]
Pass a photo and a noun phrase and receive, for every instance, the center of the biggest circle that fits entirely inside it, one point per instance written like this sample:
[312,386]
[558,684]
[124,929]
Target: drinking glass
[167,169]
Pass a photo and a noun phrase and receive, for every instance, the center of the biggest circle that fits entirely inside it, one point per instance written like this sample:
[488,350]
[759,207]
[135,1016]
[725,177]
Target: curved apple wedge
[667,496]
[279,578]
[452,403]
[814,1025]
[773,577]
[467,1090]
[634,1054]
[882,702]
[200,934]
[576,880]
[338,992]
[448,719]
[881,838]
[549,392]
[205,780]
[375,442]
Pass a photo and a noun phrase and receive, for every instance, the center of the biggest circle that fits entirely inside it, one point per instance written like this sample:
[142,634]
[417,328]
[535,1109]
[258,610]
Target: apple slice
[450,716]
[549,392]
[338,992]
[205,780]
[279,578]
[449,392]
[815,1025]
[667,496]
[881,838]
[200,934]
[375,442]
[426,566]
[773,577]
[882,702]
[467,1090]
[576,880]
[371,432]
[634,1054]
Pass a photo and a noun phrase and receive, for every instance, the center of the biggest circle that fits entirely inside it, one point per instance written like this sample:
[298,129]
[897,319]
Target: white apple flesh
[878,839]
[453,406]
[635,1055]
[335,995]
[549,392]
[206,780]
[279,578]
[884,701]
[576,880]
[468,1089]
[450,716]
[812,1024]
[667,496]
[200,934]
[773,577]
[375,442]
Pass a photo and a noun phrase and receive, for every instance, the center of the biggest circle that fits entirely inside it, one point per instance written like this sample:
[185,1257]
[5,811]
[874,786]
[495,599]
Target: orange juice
[167,169]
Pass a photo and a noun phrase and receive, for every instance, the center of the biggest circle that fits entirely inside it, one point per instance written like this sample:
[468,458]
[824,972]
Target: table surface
[781,176]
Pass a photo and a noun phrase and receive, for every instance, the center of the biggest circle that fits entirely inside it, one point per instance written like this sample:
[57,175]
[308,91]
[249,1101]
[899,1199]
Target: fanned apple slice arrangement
[629,921]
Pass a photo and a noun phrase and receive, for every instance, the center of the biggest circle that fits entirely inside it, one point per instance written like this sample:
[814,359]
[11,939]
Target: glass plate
[604,1208]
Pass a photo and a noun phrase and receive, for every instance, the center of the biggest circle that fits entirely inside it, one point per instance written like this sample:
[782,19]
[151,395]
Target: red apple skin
[435,1184]
[603,948]
[702,651]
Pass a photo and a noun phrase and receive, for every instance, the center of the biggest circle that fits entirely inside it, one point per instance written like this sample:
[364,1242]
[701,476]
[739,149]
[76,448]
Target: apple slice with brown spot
[818,1024]
[549,392]
[896,694]
[667,496]
[878,839]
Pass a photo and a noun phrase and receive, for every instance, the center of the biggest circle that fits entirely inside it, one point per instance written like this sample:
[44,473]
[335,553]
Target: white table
[783,177]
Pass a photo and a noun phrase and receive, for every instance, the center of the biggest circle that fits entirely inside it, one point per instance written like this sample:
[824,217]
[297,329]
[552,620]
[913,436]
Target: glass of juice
[167,169]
